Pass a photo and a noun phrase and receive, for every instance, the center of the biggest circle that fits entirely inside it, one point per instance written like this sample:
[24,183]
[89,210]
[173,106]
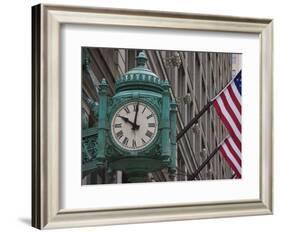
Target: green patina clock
[134,126]
[136,130]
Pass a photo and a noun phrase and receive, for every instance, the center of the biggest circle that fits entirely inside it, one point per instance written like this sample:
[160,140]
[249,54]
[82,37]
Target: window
[234,59]
[209,128]
[203,95]
[189,106]
[121,57]
[203,148]
[202,104]
[197,144]
[209,169]
[181,169]
[190,66]
[197,78]
[131,59]
[213,135]
[181,90]
[189,117]
[213,86]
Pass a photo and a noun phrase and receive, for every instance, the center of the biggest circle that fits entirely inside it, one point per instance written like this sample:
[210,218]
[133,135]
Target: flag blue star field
[238,83]
[228,107]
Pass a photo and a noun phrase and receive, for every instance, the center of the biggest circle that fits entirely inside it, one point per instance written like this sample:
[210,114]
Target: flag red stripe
[232,151]
[230,162]
[230,111]
[234,99]
[227,125]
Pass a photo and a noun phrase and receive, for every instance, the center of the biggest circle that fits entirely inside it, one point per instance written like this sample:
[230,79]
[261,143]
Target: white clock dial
[134,126]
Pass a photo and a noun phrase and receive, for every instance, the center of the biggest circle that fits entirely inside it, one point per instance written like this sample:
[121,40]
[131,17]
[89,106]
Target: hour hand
[127,120]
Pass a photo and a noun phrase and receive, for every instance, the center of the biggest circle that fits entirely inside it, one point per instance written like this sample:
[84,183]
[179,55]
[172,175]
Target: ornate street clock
[136,130]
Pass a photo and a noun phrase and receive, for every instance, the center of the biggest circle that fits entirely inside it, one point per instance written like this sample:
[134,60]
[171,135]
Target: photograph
[160,115]
[137,116]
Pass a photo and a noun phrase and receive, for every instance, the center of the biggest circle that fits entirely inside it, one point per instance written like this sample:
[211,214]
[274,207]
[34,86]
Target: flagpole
[202,111]
[194,120]
[199,169]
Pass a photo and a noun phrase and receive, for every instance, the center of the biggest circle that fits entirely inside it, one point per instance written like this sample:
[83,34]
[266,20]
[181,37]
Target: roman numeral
[119,134]
[148,117]
[148,133]
[143,141]
[134,143]
[135,107]
[127,110]
[125,141]
[118,125]
[151,125]
[143,110]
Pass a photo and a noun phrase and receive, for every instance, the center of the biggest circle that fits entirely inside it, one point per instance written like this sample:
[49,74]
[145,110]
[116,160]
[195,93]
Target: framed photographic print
[142,116]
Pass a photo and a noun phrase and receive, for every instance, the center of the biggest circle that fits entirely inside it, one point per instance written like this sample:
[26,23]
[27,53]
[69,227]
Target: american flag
[228,107]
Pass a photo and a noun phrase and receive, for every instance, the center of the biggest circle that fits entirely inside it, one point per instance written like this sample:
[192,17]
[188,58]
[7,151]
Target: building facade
[195,78]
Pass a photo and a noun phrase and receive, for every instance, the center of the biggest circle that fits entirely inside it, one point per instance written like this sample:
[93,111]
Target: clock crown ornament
[140,75]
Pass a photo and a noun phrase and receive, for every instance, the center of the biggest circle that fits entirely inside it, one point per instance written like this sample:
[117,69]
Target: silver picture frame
[46,141]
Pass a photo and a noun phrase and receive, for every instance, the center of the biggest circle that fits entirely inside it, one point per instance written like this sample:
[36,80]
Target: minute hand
[135,126]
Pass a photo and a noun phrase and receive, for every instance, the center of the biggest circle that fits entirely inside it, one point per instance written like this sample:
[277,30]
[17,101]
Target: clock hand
[127,120]
[135,126]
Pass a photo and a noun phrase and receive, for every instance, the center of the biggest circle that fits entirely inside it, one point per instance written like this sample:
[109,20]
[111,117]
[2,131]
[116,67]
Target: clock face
[134,126]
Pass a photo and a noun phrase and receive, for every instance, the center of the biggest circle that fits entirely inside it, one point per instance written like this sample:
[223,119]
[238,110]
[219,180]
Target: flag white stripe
[232,105]
[236,92]
[231,157]
[235,148]
[228,118]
